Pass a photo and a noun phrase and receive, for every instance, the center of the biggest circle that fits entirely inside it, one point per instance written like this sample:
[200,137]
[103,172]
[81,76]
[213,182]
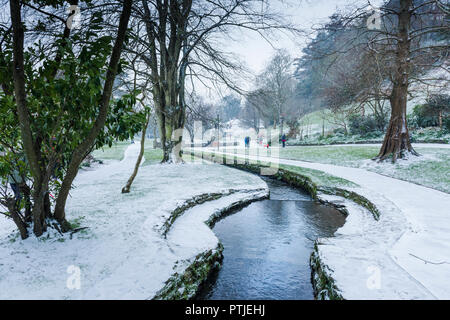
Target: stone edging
[186,285]
[196,200]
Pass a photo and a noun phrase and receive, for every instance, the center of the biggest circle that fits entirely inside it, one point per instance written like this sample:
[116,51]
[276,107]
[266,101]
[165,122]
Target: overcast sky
[255,51]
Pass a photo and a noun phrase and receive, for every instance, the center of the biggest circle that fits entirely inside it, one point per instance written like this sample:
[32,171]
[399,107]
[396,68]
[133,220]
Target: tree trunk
[162,133]
[155,142]
[396,141]
[82,150]
[20,223]
[40,169]
[127,187]
[29,143]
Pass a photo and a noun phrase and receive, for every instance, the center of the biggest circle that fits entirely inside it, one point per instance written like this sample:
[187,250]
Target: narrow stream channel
[267,246]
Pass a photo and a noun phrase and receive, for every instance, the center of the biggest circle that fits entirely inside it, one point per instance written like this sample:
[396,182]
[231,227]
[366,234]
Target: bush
[339,131]
[422,117]
[428,114]
[446,124]
[363,125]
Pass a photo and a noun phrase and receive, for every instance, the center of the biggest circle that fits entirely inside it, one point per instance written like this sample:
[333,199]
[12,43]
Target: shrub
[362,125]
[446,124]
[429,114]
[422,117]
[339,131]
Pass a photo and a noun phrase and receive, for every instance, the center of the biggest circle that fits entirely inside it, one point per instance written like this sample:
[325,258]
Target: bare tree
[278,81]
[198,111]
[181,38]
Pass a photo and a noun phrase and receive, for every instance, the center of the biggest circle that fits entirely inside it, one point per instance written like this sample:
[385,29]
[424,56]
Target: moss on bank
[184,286]
[323,284]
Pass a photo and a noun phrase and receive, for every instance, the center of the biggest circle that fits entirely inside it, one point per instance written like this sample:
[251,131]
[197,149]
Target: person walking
[246,141]
[283,140]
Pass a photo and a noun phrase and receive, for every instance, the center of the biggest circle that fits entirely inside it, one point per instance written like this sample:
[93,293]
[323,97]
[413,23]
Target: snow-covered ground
[403,255]
[122,254]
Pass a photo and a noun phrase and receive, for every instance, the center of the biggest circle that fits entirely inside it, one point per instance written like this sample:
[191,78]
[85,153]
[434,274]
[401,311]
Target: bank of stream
[267,246]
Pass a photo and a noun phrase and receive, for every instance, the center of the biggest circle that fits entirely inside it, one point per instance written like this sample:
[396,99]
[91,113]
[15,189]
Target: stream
[267,246]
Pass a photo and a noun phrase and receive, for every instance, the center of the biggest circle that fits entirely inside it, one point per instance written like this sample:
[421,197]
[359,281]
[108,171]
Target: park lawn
[430,169]
[339,155]
[320,178]
[115,152]
[152,156]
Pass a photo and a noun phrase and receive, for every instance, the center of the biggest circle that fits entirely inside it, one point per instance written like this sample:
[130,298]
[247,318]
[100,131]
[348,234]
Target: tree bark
[19,90]
[21,225]
[30,145]
[127,187]
[396,141]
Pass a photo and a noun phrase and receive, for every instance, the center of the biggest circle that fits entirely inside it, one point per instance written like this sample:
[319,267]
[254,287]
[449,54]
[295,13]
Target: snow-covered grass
[115,152]
[421,135]
[319,178]
[430,169]
[151,155]
[344,155]
[122,253]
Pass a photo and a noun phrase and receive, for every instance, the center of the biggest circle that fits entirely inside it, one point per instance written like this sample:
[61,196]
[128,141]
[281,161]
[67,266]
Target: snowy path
[413,232]
[122,254]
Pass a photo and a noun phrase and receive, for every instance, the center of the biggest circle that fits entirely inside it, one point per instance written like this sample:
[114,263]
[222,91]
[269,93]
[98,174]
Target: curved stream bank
[268,244]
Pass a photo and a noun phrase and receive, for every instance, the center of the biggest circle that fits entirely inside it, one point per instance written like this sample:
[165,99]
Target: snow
[122,254]
[192,222]
[407,250]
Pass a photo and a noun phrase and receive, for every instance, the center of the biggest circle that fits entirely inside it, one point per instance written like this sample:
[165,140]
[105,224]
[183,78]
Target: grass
[115,152]
[339,155]
[430,170]
[152,156]
[320,178]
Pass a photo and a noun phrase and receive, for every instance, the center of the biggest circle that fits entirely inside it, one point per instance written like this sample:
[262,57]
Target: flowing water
[267,246]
